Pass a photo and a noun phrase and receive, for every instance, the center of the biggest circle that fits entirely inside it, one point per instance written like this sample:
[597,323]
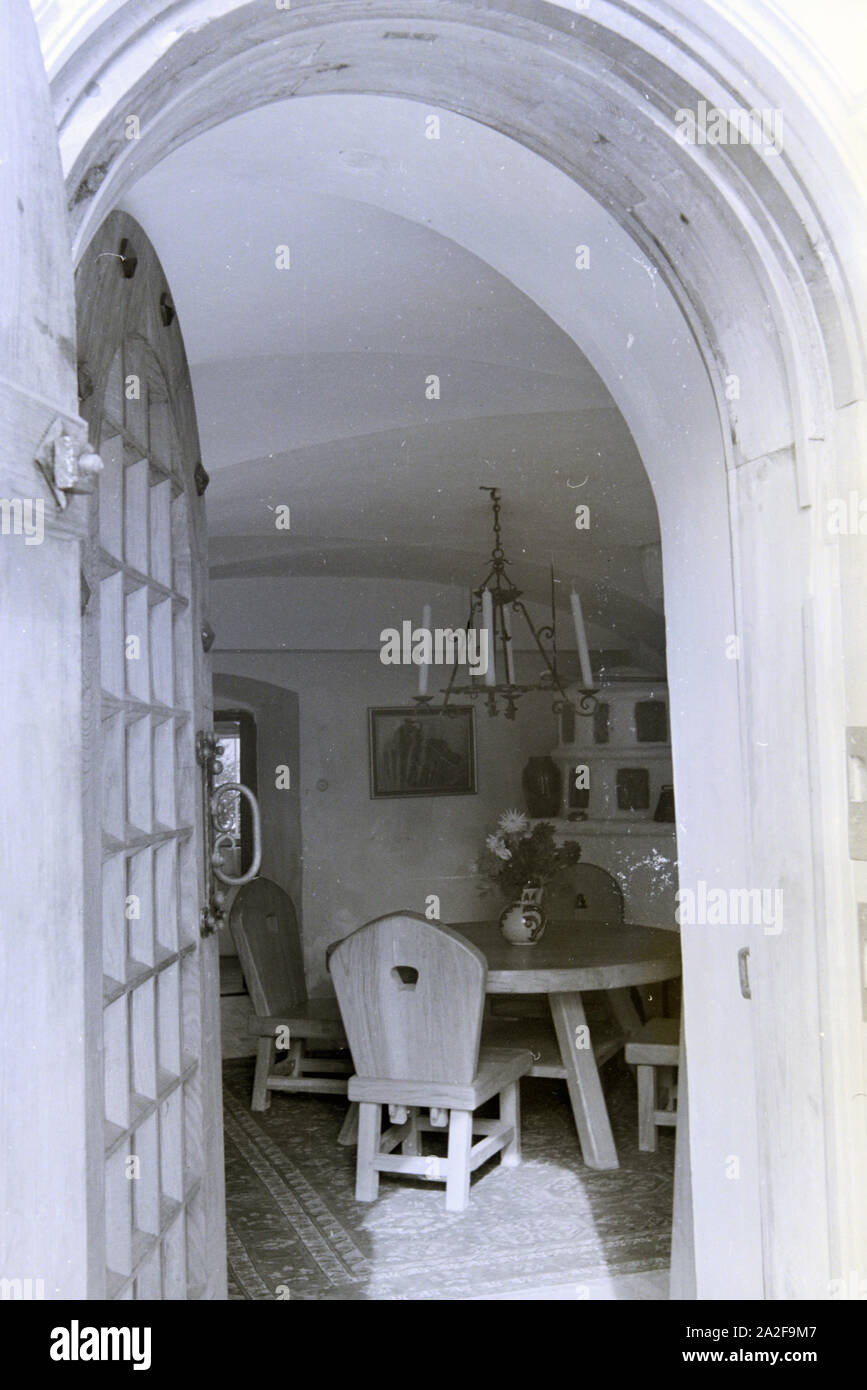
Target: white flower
[512,822]
[497,845]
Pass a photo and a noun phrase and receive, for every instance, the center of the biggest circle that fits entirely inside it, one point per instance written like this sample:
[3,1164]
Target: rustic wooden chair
[265,930]
[587,893]
[412,994]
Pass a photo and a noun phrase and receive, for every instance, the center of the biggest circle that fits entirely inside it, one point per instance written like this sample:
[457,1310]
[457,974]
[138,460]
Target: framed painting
[422,753]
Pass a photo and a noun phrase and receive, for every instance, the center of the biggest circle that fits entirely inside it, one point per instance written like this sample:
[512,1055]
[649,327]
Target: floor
[551,1229]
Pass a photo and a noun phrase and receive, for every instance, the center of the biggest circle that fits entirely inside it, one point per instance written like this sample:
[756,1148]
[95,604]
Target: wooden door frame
[44,1134]
[793,439]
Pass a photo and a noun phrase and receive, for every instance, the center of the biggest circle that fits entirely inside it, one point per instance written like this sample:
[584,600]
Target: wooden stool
[657,1044]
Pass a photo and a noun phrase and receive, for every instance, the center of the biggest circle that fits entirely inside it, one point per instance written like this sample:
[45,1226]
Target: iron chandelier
[493,605]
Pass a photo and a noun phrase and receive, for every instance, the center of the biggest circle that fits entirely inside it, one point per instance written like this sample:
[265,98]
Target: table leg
[624,1010]
[582,1078]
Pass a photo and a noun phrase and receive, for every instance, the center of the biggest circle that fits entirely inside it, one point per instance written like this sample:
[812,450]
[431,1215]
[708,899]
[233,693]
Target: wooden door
[158,1223]
[43,1131]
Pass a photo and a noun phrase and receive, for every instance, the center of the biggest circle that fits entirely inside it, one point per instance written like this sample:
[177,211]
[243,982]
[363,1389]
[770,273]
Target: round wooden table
[570,958]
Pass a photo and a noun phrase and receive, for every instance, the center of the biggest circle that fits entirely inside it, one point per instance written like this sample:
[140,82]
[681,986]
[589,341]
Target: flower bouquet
[523,861]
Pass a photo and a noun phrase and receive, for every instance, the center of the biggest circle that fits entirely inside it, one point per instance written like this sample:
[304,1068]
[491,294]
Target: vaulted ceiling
[313,380]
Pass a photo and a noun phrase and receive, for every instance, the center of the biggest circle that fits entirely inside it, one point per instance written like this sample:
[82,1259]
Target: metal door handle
[224,837]
[217,836]
[744,971]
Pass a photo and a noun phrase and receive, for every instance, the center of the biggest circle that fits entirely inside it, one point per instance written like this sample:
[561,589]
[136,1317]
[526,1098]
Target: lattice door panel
[153,1153]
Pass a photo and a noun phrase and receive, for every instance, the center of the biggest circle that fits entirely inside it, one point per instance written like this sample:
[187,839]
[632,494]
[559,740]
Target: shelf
[657,829]
[614,752]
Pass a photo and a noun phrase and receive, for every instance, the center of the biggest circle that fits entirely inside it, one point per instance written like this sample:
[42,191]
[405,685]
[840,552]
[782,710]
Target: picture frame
[415,752]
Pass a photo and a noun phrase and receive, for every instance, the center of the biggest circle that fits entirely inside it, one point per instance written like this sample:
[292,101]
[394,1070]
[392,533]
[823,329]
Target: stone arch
[756,257]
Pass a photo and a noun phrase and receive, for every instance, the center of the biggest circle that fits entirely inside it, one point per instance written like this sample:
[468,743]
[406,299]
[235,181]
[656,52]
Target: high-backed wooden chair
[265,930]
[585,892]
[412,994]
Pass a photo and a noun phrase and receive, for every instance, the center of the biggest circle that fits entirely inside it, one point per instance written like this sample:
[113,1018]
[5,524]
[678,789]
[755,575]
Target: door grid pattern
[150,891]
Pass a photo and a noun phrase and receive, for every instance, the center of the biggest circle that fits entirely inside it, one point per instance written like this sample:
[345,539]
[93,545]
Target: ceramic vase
[542,784]
[523,923]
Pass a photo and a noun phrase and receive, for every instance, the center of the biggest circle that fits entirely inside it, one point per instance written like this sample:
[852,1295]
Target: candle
[423,669]
[488,627]
[510,659]
[581,639]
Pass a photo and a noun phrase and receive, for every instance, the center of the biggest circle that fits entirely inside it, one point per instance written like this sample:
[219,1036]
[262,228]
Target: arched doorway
[740,480]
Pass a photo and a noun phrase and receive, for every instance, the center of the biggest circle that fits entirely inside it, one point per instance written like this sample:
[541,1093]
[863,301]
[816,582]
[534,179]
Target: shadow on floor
[551,1228]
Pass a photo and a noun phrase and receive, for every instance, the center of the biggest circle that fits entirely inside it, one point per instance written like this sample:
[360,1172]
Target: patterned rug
[295,1230]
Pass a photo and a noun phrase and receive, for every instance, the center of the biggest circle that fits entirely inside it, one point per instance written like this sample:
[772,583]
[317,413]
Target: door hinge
[862,942]
[856,752]
[66,460]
